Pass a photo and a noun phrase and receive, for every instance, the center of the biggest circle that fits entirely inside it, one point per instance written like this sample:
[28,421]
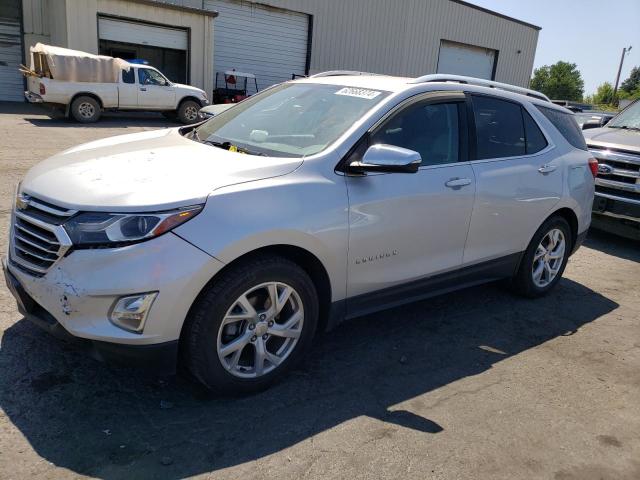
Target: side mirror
[591,124]
[388,159]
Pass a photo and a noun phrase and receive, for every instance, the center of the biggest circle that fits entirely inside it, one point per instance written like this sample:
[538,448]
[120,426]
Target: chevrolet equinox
[226,246]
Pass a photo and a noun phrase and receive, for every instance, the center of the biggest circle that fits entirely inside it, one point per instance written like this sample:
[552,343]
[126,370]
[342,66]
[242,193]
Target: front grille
[37,240]
[618,170]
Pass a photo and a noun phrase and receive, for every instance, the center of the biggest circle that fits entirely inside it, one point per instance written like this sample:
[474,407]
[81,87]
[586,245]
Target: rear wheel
[545,259]
[188,111]
[251,325]
[85,109]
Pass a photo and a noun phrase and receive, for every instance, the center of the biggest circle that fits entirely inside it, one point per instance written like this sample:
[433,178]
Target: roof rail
[337,73]
[482,83]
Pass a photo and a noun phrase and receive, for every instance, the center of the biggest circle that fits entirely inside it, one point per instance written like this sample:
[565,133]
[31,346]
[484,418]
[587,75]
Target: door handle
[547,168]
[458,182]
[143,89]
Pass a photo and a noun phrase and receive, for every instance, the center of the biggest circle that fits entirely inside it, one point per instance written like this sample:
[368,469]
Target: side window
[143,76]
[128,76]
[535,138]
[431,129]
[566,125]
[499,128]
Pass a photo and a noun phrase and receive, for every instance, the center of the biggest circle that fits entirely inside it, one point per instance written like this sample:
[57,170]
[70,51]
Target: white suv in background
[230,244]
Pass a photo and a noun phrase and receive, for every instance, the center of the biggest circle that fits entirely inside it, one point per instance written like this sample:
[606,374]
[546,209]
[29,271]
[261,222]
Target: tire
[207,341]
[526,282]
[186,111]
[86,109]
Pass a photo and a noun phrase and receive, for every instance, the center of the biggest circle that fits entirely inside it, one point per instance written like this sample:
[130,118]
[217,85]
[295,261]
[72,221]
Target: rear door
[128,89]
[519,179]
[406,228]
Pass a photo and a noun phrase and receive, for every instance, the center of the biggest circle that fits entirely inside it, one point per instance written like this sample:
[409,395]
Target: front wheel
[189,112]
[251,325]
[545,259]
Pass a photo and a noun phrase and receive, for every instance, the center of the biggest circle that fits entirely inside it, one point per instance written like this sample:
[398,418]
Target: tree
[560,81]
[604,94]
[633,82]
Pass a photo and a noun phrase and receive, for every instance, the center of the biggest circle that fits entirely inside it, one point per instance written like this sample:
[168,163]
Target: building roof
[491,12]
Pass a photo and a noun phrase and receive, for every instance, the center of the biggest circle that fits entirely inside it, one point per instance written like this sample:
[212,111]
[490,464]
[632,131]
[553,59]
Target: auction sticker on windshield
[358,92]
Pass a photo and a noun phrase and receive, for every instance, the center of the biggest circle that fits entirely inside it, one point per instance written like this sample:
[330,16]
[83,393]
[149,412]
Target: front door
[405,228]
[155,91]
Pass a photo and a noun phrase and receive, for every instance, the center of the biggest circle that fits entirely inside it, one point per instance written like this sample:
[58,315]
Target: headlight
[93,229]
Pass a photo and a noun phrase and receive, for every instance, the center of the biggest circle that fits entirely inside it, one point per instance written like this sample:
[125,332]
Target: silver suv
[230,244]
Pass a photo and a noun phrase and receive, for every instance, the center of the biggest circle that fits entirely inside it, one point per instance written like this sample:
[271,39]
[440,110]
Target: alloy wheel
[547,261]
[260,330]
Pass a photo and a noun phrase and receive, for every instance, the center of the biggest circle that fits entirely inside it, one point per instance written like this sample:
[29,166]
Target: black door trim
[503,267]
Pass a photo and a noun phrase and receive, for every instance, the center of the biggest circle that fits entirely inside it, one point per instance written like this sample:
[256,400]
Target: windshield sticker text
[358,92]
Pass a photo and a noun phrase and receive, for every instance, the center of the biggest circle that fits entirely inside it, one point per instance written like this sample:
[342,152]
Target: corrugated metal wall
[402,37]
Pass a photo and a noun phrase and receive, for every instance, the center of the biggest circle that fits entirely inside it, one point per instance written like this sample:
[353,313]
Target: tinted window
[499,128]
[566,125]
[535,138]
[128,76]
[429,129]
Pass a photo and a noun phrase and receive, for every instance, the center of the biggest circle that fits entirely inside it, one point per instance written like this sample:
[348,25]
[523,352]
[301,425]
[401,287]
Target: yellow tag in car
[233,148]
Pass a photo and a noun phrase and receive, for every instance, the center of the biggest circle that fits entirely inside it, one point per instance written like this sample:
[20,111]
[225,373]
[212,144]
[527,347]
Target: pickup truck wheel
[251,325]
[545,259]
[188,111]
[85,109]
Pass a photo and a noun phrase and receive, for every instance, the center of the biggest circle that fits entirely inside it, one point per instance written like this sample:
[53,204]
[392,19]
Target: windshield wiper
[226,145]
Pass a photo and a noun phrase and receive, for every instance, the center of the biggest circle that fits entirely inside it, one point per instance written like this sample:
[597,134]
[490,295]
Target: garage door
[461,59]
[11,83]
[142,34]
[270,43]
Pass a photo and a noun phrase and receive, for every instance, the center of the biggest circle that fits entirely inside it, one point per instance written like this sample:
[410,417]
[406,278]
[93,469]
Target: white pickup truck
[107,84]
[141,88]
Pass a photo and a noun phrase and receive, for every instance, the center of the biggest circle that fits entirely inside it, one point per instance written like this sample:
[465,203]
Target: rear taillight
[42,89]
[593,166]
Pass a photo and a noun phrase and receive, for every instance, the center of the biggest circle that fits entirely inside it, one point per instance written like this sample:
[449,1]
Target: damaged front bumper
[73,300]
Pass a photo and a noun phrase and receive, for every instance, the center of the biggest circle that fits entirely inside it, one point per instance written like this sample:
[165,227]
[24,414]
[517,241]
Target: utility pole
[624,52]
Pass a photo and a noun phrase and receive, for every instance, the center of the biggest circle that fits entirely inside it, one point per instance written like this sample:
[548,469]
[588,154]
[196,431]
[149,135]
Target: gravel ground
[475,384]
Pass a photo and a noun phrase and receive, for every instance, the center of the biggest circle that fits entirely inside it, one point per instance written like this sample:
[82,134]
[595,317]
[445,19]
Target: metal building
[191,40]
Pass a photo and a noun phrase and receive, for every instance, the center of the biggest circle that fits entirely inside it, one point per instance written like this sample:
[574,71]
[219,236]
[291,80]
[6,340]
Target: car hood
[147,171]
[613,138]
[190,88]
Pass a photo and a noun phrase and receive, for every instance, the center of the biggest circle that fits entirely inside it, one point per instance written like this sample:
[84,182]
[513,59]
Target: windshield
[290,120]
[628,118]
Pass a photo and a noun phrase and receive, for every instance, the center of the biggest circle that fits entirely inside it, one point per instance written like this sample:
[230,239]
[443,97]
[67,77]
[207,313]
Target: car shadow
[117,423]
[37,115]
[612,244]
[108,120]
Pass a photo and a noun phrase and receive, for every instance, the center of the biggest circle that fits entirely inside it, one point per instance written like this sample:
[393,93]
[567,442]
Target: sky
[590,33]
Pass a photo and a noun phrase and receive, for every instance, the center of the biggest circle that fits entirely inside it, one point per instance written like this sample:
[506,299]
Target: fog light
[131,312]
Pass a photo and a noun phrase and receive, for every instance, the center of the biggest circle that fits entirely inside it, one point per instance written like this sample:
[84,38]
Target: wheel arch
[93,95]
[188,97]
[302,257]
[571,218]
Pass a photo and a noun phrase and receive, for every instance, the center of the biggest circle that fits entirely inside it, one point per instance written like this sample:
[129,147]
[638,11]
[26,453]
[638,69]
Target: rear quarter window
[566,125]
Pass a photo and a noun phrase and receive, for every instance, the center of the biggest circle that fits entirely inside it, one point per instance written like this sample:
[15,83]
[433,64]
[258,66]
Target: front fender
[305,212]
